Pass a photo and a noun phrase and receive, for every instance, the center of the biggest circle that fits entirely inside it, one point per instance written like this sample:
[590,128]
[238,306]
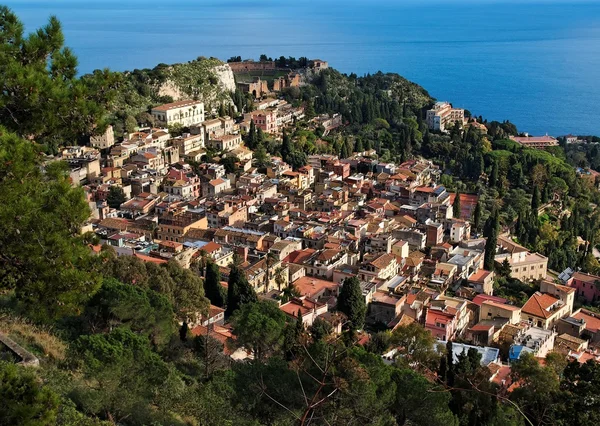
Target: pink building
[441,323]
[587,286]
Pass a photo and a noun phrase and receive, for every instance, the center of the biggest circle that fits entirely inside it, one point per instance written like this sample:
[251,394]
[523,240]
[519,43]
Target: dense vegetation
[107,328]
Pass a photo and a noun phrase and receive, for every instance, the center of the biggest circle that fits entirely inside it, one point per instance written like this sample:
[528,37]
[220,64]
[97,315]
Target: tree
[494,176]
[43,257]
[259,326]
[141,310]
[416,347]
[504,269]
[320,329]
[239,291]
[212,286]
[42,98]
[477,216]
[456,205]
[491,242]
[251,136]
[24,400]
[537,391]
[115,197]
[286,147]
[128,376]
[535,200]
[418,401]
[352,303]
[261,156]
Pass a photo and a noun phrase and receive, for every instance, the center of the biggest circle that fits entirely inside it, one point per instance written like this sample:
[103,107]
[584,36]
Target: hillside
[206,79]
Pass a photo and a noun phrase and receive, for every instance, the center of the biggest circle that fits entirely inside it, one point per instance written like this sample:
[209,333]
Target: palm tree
[289,292]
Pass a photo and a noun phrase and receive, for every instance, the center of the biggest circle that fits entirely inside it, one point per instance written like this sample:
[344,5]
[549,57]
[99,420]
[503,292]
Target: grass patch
[36,339]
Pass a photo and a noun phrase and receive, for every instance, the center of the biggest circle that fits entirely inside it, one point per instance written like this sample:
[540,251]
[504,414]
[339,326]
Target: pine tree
[456,205]
[239,291]
[213,289]
[352,303]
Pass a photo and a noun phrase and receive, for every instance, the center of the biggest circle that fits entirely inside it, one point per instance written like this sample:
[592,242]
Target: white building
[442,115]
[186,113]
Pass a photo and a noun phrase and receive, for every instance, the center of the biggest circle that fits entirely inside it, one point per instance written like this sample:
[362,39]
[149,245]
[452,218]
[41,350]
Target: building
[538,142]
[173,227]
[186,113]
[105,140]
[544,310]
[482,281]
[225,142]
[442,115]
[586,286]
[524,265]
[188,143]
[308,308]
[535,340]
[491,310]
[266,120]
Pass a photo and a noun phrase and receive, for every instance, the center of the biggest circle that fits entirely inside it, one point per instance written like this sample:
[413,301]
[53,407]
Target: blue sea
[536,63]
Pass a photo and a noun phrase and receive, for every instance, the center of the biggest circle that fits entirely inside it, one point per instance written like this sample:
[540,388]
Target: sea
[533,62]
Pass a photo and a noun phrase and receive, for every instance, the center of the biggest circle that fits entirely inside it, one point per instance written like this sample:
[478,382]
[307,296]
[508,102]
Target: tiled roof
[538,305]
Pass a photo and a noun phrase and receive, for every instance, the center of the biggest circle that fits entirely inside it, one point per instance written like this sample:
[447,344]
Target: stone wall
[26,357]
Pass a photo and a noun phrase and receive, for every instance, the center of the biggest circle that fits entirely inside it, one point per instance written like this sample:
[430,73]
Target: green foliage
[212,286]
[183,289]
[25,401]
[42,256]
[259,326]
[416,347]
[352,303]
[456,206]
[239,291]
[42,98]
[128,375]
[141,310]
[115,197]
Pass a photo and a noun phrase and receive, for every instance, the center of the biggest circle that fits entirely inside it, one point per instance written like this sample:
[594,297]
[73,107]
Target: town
[275,242]
[407,239]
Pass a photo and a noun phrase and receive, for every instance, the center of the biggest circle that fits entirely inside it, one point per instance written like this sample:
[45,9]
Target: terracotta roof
[501,305]
[479,276]
[538,305]
[592,319]
[149,259]
[309,286]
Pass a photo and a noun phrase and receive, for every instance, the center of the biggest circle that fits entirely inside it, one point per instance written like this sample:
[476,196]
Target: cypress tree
[456,205]
[299,324]
[494,175]
[239,291]
[535,200]
[251,136]
[286,147]
[491,242]
[213,289]
[352,303]
[477,216]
